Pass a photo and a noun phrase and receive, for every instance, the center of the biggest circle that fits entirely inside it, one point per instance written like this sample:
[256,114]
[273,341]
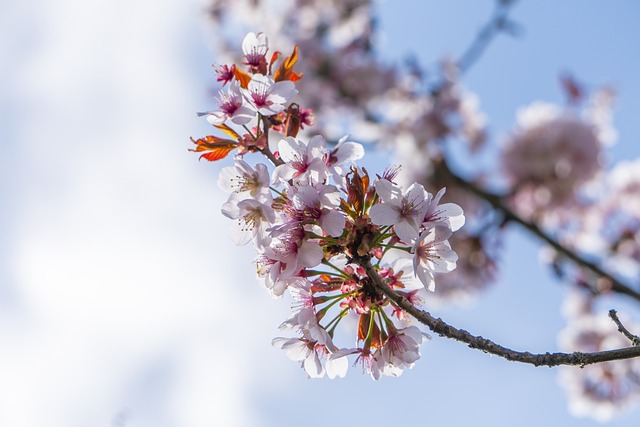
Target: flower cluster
[317,221]
[552,171]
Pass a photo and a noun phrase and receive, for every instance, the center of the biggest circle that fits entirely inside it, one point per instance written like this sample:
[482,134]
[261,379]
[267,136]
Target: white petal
[349,152]
[310,254]
[406,230]
[337,367]
[313,366]
[332,222]
[230,210]
[426,277]
[387,190]
[240,235]
[290,149]
[384,214]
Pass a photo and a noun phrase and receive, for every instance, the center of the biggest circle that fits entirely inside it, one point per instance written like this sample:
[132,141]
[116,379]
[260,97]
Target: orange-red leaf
[285,71]
[274,57]
[217,148]
[226,129]
[242,77]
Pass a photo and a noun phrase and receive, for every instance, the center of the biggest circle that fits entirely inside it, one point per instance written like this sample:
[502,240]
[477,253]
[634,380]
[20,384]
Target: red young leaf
[217,148]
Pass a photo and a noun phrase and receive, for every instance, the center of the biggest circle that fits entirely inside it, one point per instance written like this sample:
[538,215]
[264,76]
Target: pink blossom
[255,48]
[303,161]
[231,108]
[433,254]
[549,156]
[266,96]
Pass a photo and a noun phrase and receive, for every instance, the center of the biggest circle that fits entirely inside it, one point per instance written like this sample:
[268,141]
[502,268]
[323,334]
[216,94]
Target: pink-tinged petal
[306,196]
[435,235]
[282,92]
[438,196]
[332,222]
[406,230]
[337,367]
[384,214]
[349,152]
[387,190]
[243,116]
[417,194]
[329,196]
[317,145]
[282,173]
[310,254]
[290,149]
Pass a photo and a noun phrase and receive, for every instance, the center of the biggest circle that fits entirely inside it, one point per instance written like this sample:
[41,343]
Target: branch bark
[496,202]
[441,328]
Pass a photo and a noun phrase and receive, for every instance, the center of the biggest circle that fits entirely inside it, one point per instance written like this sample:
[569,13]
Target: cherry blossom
[303,161]
[231,107]
[266,96]
[243,179]
[405,211]
[433,254]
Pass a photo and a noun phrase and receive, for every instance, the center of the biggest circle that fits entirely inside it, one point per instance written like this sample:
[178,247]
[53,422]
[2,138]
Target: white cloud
[126,307]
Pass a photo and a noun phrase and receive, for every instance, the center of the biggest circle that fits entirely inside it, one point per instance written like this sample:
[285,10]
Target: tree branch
[496,24]
[496,202]
[635,340]
[441,328]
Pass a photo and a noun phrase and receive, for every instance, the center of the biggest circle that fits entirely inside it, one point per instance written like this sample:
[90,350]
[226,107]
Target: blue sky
[121,298]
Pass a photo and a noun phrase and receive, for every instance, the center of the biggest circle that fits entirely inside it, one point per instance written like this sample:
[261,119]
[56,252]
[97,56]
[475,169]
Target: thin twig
[633,338]
[441,328]
[496,24]
[509,215]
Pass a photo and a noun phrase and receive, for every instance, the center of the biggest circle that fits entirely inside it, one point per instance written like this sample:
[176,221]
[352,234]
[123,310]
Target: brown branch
[441,328]
[635,340]
[509,215]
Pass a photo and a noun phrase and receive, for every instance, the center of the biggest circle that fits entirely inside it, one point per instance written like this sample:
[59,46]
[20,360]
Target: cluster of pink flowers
[317,217]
